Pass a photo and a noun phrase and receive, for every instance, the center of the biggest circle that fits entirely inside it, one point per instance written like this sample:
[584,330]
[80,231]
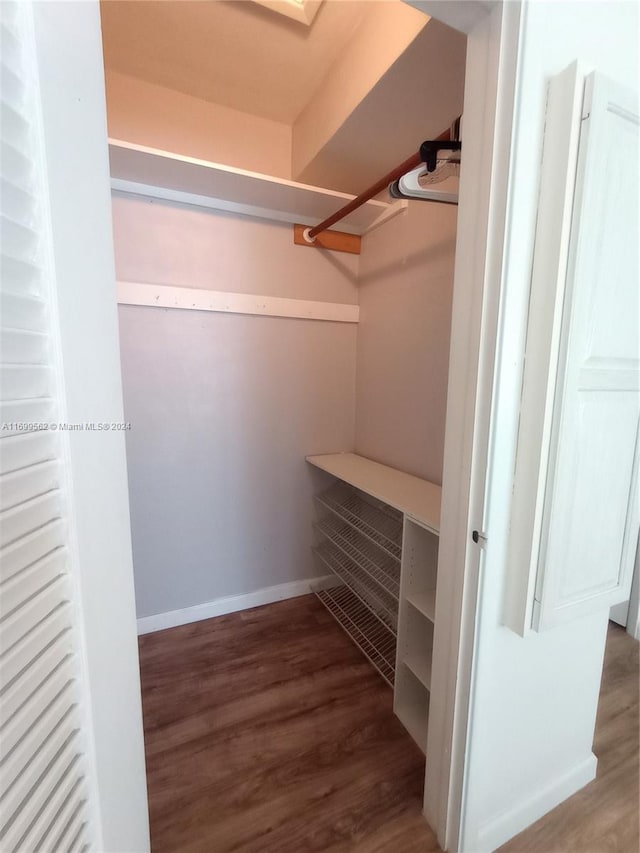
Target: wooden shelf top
[153,173]
[418,499]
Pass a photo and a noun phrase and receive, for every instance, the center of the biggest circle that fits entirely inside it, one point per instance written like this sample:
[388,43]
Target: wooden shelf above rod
[153,173]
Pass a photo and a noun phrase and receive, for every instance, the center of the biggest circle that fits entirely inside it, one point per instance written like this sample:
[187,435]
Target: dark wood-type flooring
[266,731]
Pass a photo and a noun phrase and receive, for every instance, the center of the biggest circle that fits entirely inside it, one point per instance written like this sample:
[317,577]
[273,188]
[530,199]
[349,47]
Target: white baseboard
[501,829]
[228,604]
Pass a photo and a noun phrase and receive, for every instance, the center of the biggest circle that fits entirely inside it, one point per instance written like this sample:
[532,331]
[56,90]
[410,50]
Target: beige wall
[147,114]
[161,243]
[406,283]
[384,34]
[225,407]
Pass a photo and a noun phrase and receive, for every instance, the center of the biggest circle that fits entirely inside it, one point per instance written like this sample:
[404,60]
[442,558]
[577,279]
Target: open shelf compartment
[424,602]
[368,632]
[411,705]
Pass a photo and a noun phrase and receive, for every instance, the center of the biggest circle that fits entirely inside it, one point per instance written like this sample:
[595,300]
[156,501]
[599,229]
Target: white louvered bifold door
[43,787]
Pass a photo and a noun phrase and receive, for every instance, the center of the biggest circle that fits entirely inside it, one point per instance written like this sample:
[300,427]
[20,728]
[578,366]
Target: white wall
[535,699]
[225,407]
[405,288]
[162,243]
[69,54]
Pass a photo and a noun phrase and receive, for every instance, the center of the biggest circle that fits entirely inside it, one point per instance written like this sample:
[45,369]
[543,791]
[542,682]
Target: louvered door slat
[16,171]
[33,610]
[10,46]
[28,516]
[13,90]
[18,486]
[78,842]
[27,550]
[49,663]
[28,449]
[13,730]
[15,129]
[25,380]
[21,310]
[66,840]
[15,415]
[23,276]
[43,776]
[26,651]
[44,786]
[53,719]
[21,347]
[23,586]
[55,812]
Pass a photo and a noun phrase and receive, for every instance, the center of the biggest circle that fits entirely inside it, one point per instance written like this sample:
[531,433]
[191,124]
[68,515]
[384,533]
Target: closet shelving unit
[153,173]
[377,544]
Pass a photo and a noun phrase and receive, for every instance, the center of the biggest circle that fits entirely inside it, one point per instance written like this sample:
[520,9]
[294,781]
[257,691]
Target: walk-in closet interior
[285,392]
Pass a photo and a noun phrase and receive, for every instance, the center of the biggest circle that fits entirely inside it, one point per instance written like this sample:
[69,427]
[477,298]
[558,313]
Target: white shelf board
[153,173]
[420,667]
[419,499]
[425,603]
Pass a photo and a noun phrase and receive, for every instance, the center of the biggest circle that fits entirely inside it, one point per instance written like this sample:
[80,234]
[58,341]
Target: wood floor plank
[267,731]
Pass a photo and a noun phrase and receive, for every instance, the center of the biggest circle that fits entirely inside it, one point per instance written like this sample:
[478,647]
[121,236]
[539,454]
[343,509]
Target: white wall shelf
[379,536]
[153,173]
[420,667]
[419,499]
[424,602]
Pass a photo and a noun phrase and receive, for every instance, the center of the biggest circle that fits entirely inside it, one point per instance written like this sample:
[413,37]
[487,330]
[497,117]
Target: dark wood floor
[267,732]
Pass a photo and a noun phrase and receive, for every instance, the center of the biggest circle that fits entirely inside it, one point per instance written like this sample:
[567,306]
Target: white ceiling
[416,99]
[242,55]
[238,54]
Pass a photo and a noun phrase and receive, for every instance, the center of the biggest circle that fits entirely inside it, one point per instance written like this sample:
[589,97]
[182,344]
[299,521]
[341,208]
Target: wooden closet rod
[383,183]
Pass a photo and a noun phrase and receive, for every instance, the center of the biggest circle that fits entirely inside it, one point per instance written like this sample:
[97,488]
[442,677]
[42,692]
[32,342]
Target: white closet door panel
[73,838]
[23,586]
[10,47]
[18,346]
[16,415]
[34,708]
[28,516]
[66,799]
[55,720]
[48,661]
[45,601]
[24,381]
[21,451]
[21,240]
[15,127]
[16,199]
[43,776]
[591,511]
[17,307]
[16,169]
[29,549]
[21,310]
[21,485]
[24,651]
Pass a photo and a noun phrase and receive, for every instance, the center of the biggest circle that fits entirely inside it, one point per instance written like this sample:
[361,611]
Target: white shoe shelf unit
[376,539]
